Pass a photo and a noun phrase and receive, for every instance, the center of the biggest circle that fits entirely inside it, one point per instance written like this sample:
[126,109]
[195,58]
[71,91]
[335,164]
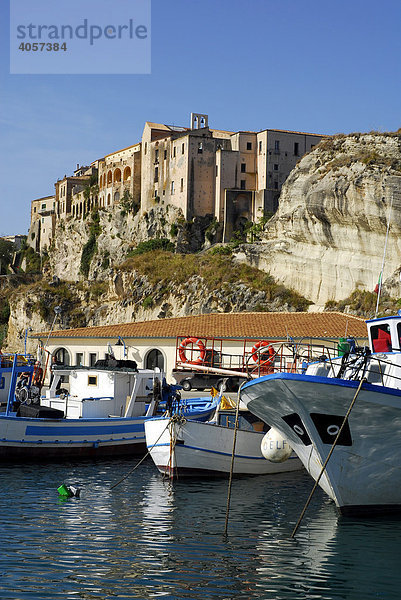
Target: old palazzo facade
[231,176]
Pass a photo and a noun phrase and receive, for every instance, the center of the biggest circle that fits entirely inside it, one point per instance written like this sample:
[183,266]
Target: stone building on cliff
[231,176]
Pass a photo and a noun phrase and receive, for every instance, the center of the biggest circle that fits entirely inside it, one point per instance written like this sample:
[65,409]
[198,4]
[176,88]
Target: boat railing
[290,357]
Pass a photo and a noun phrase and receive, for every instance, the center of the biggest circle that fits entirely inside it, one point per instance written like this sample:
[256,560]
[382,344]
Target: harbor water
[150,538]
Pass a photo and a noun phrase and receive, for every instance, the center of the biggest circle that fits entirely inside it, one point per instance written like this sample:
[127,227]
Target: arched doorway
[62,357]
[154,359]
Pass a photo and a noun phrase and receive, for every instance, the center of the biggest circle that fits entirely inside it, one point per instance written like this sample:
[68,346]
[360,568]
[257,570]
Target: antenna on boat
[384,255]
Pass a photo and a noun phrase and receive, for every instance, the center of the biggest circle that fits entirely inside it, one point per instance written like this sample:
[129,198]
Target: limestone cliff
[328,235]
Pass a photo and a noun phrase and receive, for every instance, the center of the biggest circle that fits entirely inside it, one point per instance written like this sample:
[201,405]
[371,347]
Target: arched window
[117,176]
[116,196]
[127,174]
[108,199]
[62,357]
[154,359]
[104,180]
[109,178]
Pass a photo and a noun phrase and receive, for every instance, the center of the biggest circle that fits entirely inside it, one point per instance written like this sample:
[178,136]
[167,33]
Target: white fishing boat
[347,410]
[184,447]
[100,412]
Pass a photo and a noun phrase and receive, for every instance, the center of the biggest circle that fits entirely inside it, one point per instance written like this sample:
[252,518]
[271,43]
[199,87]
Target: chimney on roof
[199,121]
[77,166]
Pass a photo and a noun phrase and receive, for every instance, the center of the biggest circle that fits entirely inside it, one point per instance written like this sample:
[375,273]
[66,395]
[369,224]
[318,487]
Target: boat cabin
[384,334]
[101,392]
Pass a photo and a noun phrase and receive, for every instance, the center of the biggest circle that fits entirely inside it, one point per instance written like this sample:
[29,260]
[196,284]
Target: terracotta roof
[230,325]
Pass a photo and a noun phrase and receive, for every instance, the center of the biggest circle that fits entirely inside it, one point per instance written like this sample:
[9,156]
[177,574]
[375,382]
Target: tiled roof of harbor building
[253,325]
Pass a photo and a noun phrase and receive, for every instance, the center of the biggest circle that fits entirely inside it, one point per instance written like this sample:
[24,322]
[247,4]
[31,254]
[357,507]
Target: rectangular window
[276,147]
[200,148]
[79,359]
[182,185]
[243,184]
[276,185]
[92,380]
[249,145]
[146,147]
[34,209]
[172,187]
[276,167]
[165,155]
[217,170]
[156,174]
[43,207]
[243,168]
[296,149]
[182,148]
[260,147]
[92,359]
[174,152]
[156,156]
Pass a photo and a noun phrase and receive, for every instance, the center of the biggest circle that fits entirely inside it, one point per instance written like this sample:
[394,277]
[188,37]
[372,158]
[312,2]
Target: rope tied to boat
[141,461]
[175,420]
[363,380]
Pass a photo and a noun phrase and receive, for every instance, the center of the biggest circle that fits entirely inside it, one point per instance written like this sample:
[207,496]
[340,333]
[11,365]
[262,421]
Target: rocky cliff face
[328,235]
[118,232]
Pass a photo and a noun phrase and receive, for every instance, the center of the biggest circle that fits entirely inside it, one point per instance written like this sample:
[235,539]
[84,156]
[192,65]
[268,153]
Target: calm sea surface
[149,538]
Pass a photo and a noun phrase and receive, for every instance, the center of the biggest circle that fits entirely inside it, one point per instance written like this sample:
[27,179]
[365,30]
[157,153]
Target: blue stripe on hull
[86,430]
[213,451]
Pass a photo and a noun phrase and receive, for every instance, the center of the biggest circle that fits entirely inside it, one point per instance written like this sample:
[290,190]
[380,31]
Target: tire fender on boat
[275,447]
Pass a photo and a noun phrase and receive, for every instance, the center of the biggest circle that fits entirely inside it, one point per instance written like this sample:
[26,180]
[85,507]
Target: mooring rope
[142,459]
[232,465]
[180,420]
[328,456]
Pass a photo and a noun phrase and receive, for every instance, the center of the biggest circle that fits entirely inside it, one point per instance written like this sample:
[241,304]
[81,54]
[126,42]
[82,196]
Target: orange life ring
[192,341]
[259,357]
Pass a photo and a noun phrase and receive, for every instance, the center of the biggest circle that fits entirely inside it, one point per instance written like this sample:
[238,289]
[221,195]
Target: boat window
[381,338]
[399,337]
[92,380]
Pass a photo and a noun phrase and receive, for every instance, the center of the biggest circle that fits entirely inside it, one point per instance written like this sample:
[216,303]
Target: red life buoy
[193,341]
[260,357]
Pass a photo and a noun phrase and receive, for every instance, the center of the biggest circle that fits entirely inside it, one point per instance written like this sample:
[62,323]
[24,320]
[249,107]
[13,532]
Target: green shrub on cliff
[89,249]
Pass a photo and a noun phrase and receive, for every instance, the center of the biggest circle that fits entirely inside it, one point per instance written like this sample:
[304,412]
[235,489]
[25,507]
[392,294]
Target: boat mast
[384,256]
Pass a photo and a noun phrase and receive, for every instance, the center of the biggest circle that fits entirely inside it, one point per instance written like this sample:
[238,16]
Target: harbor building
[156,343]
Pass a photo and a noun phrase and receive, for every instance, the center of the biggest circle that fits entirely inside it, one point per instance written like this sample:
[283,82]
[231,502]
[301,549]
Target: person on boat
[54,364]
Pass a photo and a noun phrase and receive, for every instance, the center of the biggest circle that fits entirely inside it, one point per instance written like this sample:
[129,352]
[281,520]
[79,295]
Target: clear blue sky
[315,65]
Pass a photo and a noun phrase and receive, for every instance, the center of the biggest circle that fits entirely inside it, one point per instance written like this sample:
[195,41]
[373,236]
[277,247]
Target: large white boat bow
[309,408]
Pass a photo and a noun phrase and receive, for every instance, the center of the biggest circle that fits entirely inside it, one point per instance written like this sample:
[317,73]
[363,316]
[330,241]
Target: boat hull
[363,475]
[205,449]
[51,439]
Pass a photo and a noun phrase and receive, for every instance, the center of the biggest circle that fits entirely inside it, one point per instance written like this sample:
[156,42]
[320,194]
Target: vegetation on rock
[89,249]
[216,270]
